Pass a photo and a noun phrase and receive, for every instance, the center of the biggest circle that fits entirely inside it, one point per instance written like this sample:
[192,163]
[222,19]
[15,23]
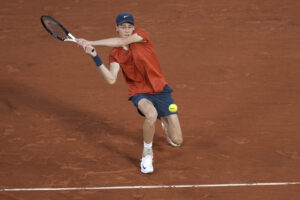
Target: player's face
[125,29]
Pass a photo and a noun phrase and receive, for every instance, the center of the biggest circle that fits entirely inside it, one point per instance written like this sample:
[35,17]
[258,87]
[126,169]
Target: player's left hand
[89,49]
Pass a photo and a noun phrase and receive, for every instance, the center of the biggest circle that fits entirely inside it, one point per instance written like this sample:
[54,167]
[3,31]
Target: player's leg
[171,126]
[150,113]
[147,108]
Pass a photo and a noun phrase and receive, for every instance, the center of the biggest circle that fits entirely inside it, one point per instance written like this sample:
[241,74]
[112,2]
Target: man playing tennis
[148,90]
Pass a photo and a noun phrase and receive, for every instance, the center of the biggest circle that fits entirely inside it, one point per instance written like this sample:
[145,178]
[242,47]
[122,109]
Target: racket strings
[55,28]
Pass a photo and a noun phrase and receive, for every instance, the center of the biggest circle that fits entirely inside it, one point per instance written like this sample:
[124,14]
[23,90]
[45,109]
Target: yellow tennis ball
[172,107]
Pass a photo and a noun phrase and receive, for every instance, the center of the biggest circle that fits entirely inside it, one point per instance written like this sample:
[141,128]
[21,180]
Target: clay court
[234,68]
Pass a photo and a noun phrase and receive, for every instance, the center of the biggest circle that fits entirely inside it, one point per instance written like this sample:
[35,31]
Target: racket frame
[70,37]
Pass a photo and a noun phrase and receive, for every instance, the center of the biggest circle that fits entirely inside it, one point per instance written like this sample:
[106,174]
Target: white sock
[148,145]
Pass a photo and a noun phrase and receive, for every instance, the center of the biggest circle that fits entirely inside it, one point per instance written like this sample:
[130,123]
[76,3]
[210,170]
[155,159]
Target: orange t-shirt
[140,66]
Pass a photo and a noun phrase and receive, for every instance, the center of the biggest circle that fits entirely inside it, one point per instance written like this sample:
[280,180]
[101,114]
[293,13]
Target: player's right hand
[82,42]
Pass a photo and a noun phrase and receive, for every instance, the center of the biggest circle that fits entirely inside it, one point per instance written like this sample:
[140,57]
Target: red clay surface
[234,66]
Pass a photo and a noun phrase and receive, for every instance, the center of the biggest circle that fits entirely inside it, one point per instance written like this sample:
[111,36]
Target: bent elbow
[111,81]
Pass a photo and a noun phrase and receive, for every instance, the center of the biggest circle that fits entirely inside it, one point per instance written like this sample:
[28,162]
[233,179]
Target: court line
[150,187]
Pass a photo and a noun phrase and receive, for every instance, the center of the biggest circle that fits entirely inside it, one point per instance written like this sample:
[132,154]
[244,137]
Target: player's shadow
[91,126]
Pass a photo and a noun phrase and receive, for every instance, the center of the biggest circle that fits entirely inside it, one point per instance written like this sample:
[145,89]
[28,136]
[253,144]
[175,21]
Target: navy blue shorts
[161,101]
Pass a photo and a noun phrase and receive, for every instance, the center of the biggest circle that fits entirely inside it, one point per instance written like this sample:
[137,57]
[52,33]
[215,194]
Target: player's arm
[113,42]
[110,75]
[118,42]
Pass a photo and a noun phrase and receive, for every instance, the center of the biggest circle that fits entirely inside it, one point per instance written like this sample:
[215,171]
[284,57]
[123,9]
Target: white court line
[151,187]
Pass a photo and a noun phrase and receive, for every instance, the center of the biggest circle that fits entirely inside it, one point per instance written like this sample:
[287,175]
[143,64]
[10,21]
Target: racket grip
[93,50]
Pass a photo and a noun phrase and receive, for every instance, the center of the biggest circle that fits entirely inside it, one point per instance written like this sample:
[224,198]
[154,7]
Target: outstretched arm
[110,75]
[112,42]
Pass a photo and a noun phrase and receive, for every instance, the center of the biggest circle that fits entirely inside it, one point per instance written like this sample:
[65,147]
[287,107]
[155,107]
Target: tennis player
[148,89]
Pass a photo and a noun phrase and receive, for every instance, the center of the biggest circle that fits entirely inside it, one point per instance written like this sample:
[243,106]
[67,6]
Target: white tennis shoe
[168,139]
[146,164]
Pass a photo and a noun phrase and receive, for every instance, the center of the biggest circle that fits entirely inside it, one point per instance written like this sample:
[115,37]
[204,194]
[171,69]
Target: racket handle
[93,50]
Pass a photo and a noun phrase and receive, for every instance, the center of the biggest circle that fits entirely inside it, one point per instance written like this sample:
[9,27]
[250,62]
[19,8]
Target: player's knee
[177,140]
[151,117]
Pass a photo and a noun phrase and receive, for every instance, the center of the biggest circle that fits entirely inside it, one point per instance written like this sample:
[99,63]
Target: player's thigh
[173,127]
[147,108]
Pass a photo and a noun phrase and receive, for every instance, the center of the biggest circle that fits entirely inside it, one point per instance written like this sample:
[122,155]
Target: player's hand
[82,42]
[89,49]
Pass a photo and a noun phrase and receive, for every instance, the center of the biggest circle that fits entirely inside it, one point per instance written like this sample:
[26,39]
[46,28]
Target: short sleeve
[142,32]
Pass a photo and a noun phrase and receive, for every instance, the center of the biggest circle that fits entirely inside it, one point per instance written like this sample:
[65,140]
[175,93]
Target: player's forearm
[110,42]
[107,75]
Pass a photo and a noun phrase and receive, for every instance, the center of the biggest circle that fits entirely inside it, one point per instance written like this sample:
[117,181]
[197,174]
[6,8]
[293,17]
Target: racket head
[54,27]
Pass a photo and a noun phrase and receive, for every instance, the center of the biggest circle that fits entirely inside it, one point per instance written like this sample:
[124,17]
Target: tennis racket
[56,29]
